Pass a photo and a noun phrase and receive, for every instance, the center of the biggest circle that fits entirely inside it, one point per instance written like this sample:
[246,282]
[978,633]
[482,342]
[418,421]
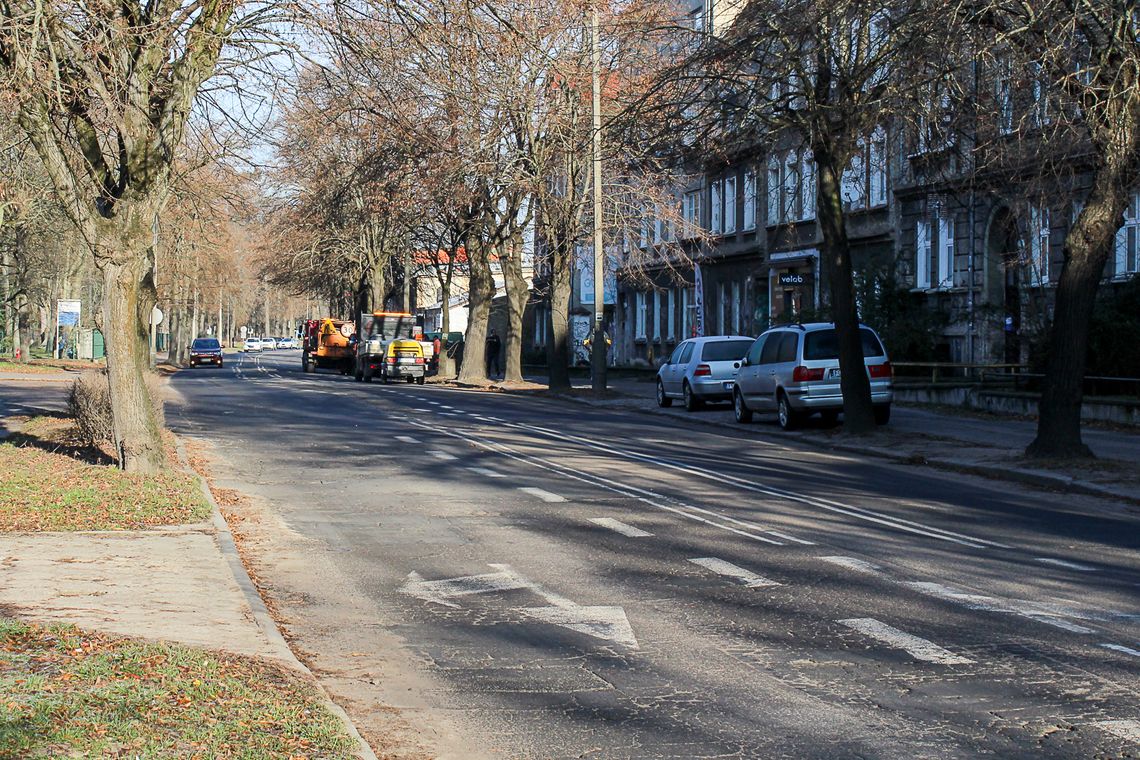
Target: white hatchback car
[251,344]
[701,369]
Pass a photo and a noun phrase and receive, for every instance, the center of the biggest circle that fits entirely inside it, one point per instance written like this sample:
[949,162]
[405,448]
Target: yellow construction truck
[388,346]
[327,345]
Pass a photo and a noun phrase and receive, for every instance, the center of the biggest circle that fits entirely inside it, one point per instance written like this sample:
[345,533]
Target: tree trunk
[1087,247]
[23,337]
[835,264]
[481,294]
[129,297]
[446,363]
[378,284]
[517,293]
[558,320]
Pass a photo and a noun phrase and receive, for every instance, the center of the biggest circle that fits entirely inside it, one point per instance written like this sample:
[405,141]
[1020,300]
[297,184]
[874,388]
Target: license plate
[835,374]
[728,385]
[407,360]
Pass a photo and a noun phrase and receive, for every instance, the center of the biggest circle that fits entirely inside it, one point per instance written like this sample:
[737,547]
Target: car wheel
[692,403]
[882,414]
[662,399]
[830,418]
[740,410]
[359,374]
[788,418]
[420,380]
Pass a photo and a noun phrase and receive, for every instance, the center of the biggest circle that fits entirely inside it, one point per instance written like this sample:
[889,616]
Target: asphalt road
[555,580]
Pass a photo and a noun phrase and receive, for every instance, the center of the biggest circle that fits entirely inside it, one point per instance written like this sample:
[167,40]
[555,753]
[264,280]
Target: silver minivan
[793,370]
[701,369]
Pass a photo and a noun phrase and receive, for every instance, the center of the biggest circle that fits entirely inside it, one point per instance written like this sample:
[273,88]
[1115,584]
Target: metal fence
[1014,377]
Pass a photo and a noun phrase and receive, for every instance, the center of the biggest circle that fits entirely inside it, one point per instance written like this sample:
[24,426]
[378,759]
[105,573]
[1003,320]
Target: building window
[691,212]
[1041,115]
[922,254]
[749,200]
[1039,231]
[655,317]
[716,203]
[721,303]
[807,186]
[671,316]
[791,186]
[658,226]
[774,183]
[540,327]
[854,181]
[1127,252]
[639,316]
[1003,96]
[877,164]
[729,204]
[945,251]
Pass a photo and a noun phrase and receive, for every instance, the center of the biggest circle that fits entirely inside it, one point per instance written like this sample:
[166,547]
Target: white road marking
[1129,730]
[442,591]
[786,537]
[443,456]
[646,497]
[859,513]
[1066,564]
[1048,614]
[547,496]
[721,567]
[1122,649]
[620,527]
[407,439]
[486,473]
[851,563]
[918,648]
[608,623]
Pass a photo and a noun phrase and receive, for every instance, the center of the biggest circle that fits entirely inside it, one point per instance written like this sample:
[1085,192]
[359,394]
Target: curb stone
[1038,478]
[261,615]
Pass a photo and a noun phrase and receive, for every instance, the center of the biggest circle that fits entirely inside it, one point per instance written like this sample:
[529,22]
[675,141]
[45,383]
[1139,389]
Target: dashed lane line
[859,513]
[620,527]
[786,537]
[1122,649]
[486,472]
[442,456]
[1066,564]
[547,496]
[696,514]
[1049,614]
[916,647]
[407,439]
[852,563]
[729,570]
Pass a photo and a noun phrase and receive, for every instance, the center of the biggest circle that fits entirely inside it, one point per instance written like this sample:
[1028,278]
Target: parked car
[701,369]
[251,344]
[206,351]
[793,370]
[286,342]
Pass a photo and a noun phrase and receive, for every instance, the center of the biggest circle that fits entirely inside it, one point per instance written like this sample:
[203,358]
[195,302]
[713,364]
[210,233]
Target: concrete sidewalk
[985,445]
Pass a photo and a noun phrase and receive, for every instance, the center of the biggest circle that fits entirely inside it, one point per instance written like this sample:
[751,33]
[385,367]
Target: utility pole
[598,344]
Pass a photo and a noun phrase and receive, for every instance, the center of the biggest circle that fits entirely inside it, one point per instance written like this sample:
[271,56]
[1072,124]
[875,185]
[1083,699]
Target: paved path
[534,578]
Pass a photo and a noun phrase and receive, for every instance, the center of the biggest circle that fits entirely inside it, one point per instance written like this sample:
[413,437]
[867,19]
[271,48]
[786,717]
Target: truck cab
[387,347]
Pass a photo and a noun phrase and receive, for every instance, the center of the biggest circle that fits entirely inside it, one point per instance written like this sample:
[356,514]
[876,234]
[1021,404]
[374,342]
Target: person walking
[494,345]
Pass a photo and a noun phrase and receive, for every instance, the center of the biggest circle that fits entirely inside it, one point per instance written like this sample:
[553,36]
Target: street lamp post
[598,344]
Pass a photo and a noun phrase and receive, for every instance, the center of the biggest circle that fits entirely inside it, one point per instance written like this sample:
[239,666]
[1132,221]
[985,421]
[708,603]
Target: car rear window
[725,350]
[206,344]
[823,344]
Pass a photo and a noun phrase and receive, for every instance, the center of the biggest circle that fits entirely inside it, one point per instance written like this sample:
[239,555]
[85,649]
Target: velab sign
[790,278]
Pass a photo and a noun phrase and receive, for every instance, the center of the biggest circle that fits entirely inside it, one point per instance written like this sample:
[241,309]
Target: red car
[205,351]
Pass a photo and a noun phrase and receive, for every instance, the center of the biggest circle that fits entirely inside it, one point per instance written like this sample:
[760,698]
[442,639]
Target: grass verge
[47,365]
[47,486]
[65,692]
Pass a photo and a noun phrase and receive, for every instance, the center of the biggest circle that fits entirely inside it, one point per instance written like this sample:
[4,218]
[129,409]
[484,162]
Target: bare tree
[1082,60]
[105,93]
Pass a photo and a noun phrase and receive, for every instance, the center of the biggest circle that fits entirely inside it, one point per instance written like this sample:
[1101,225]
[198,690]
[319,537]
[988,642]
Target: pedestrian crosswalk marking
[547,496]
[729,570]
[916,647]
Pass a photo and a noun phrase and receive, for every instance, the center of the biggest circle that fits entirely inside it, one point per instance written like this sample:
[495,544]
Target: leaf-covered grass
[64,692]
[42,490]
[47,365]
